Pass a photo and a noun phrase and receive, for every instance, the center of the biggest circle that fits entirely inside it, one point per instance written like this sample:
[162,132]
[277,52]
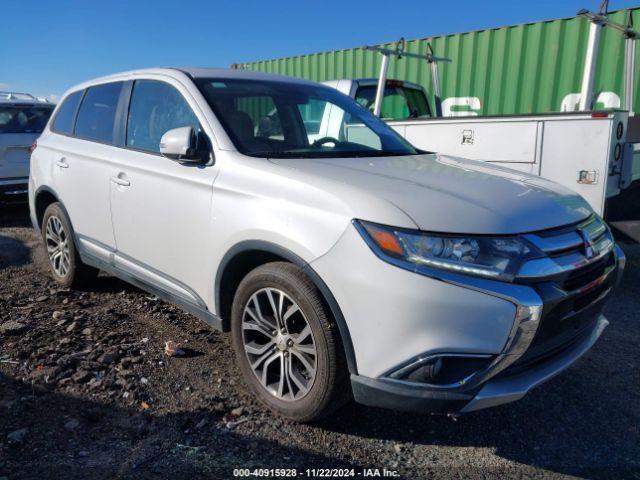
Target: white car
[343,266]
[22,118]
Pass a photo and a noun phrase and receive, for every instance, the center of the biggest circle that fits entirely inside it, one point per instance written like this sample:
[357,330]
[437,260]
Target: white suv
[343,266]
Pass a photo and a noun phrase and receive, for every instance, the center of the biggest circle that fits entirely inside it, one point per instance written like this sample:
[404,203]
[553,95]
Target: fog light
[427,372]
[443,369]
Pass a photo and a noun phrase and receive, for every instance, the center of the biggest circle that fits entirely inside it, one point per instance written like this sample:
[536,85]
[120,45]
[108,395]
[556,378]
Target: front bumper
[411,396]
[402,321]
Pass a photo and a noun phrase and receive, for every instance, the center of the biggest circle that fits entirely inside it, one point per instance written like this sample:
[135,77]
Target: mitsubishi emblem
[589,247]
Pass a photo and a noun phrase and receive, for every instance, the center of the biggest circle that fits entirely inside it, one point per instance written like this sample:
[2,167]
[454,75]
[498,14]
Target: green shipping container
[521,69]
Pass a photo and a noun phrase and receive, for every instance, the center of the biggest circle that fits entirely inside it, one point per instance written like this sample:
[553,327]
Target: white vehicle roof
[193,72]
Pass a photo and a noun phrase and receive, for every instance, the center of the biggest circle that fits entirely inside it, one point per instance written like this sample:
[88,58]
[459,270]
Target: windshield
[23,119]
[274,119]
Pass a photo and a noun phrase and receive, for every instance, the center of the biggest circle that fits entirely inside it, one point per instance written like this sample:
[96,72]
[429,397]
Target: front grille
[582,277]
[575,292]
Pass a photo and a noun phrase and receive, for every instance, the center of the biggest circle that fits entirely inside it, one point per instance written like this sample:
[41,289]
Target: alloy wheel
[279,344]
[57,246]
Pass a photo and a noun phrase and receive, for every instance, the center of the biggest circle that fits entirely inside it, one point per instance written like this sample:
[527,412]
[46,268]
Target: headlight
[493,257]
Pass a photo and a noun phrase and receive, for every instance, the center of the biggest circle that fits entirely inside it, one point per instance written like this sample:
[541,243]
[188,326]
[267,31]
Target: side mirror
[181,144]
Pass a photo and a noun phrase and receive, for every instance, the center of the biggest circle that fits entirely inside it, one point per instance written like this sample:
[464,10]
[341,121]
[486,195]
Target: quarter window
[155,108]
[97,114]
[63,121]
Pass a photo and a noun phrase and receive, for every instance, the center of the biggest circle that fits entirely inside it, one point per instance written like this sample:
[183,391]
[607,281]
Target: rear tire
[64,261]
[287,344]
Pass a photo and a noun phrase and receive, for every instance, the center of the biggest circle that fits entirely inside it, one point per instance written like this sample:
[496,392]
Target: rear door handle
[62,163]
[123,182]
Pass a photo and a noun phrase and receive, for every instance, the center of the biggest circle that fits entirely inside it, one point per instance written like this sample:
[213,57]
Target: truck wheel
[287,345]
[64,262]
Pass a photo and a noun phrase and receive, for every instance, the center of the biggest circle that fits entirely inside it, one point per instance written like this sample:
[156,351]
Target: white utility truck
[591,152]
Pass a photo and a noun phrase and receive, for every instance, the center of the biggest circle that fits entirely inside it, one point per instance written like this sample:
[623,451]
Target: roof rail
[16,96]
[22,98]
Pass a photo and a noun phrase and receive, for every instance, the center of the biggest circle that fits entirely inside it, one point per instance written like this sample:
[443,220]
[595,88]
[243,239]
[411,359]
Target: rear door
[82,163]
[20,125]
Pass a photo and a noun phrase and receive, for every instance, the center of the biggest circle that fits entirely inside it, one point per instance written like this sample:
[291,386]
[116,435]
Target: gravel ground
[86,391]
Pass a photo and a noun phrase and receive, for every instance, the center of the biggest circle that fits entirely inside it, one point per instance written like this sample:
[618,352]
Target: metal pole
[598,21]
[399,53]
[435,81]
[382,81]
[590,63]
[630,56]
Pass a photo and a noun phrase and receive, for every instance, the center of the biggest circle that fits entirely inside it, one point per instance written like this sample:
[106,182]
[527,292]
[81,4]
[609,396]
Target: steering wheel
[321,141]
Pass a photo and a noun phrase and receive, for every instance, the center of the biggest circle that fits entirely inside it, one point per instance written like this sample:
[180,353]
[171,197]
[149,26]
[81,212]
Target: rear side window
[155,108]
[23,119]
[63,121]
[97,114]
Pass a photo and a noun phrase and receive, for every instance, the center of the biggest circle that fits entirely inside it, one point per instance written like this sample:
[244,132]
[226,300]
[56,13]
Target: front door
[161,209]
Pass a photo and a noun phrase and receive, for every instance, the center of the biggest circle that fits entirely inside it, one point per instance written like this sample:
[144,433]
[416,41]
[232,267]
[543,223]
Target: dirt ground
[86,391]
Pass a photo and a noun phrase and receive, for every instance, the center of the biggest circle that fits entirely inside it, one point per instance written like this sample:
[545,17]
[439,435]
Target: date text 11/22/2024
[316,472]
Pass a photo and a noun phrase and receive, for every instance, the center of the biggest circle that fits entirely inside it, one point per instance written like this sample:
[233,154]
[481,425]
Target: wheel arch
[43,197]
[247,255]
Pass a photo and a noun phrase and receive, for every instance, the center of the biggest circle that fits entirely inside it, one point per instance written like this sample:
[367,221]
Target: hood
[451,195]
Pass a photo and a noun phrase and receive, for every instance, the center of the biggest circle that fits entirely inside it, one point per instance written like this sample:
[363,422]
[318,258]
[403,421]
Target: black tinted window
[155,108]
[63,122]
[97,113]
[23,119]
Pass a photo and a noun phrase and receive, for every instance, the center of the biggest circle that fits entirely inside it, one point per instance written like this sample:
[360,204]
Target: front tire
[287,344]
[64,261]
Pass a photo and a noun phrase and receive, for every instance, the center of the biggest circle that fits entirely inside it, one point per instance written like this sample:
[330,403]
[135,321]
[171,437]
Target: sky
[52,45]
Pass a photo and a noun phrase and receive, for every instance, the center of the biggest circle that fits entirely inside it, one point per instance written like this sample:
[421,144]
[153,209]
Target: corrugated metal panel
[528,68]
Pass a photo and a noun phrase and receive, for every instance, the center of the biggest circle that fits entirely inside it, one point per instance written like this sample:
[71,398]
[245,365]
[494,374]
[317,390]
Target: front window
[155,108]
[23,119]
[288,120]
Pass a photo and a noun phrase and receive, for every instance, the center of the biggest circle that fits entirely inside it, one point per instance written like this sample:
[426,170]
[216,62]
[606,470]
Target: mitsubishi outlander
[351,265]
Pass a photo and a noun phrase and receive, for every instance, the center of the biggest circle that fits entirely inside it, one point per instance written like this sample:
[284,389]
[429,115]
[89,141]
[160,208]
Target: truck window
[399,102]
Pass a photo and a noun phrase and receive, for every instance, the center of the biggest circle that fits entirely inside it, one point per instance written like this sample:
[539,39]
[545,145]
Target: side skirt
[201,313]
